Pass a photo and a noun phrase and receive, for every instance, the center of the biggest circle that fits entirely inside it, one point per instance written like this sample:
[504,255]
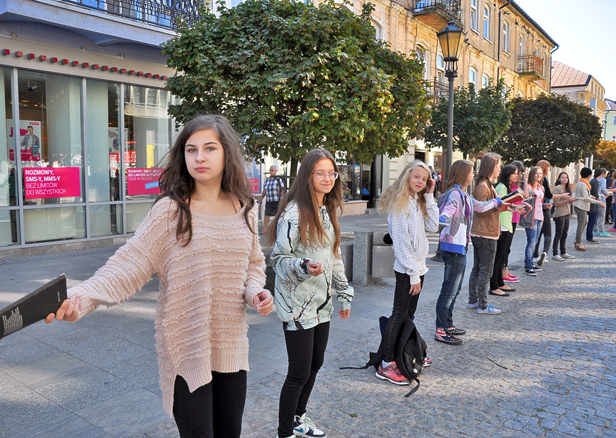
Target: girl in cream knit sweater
[200,239]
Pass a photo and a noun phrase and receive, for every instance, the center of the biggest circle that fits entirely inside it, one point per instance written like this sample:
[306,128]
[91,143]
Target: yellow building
[501,41]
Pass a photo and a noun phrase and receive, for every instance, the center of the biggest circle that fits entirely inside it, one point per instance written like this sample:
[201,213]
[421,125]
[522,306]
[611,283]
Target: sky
[584,33]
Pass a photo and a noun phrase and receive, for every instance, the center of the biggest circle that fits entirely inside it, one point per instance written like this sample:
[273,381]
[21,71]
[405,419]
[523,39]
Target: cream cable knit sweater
[204,288]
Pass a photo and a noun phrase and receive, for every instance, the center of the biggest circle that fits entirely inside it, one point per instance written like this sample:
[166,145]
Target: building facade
[609,131]
[85,118]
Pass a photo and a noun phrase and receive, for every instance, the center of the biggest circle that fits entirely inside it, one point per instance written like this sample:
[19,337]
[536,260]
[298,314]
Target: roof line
[533,22]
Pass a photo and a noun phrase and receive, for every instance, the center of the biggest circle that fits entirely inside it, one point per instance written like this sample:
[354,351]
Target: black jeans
[306,350]
[404,304]
[212,410]
[561,230]
[592,220]
[546,231]
[502,248]
[506,261]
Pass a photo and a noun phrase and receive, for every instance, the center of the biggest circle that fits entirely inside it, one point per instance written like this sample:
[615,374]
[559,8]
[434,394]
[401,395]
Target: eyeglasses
[322,175]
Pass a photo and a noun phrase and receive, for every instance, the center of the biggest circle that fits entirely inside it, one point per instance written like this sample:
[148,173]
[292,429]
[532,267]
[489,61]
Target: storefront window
[147,140]
[58,223]
[105,220]
[9,225]
[50,143]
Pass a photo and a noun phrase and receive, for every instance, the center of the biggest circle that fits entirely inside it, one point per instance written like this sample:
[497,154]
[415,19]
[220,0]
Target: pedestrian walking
[411,211]
[485,231]
[201,229]
[456,217]
[306,260]
[582,205]
[562,216]
[273,190]
[532,221]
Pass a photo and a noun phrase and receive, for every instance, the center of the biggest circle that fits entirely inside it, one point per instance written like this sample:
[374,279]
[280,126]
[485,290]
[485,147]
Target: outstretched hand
[68,311]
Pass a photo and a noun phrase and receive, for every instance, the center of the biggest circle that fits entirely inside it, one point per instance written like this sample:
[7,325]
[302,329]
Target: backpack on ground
[410,352]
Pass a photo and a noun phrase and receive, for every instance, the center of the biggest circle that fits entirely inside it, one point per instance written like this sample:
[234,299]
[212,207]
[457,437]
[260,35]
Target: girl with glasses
[306,260]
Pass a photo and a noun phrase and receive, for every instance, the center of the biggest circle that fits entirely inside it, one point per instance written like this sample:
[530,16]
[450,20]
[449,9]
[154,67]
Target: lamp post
[450,39]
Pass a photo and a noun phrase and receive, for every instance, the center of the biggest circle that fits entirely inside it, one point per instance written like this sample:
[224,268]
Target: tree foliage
[550,127]
[479,119]
[292,76]
[606,154]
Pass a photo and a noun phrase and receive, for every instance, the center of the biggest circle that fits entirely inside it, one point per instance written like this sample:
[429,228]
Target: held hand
[602,205]
[415,289]
[521,209]
[344,314]
[315,269]
[504,206]
[568,197]
[430,185]
[548,206]
[264,302]
[68,311]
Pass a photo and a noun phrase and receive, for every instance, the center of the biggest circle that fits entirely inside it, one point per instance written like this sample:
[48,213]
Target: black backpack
[410,352]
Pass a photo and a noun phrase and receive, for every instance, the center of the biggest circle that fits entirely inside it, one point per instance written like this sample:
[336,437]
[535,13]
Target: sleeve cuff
[499,201]
[415,279]
[429,198]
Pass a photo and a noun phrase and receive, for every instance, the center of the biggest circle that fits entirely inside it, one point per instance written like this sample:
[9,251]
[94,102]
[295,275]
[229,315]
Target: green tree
[550,127]
[479,119]
[292,76]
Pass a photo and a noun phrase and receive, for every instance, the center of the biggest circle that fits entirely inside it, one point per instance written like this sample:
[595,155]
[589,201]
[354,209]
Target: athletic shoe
[445,336]
[541,258]
[567,256]
[511,279]
[530,272]
[455,331]
[305,427]
[613,230]
[558,258]
[292,436]
[472,305]
[537,268]
[605,234]
[535,259]
[490,310]
[393,374]
[427,362]
[596,233]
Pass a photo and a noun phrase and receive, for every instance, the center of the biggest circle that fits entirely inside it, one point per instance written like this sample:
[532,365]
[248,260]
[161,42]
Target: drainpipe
[550,78]
[498,47]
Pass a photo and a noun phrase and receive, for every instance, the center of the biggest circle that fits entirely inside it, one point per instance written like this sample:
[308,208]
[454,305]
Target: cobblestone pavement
[545,367]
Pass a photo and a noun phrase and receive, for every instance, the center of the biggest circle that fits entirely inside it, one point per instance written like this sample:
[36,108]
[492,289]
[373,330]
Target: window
[614,120]
[486,23]
[506,43]
[378,30]
[474,15]
[521,53]
[472,76]
[440,68]
[9,215]
[485,81]
[424,55]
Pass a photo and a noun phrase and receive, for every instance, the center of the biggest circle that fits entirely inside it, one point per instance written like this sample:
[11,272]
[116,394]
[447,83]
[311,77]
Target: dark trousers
[484,251]
[592,220]
[212,411]
[608,209]
[499,260]
[306,350]
[455,265]
[546,232]
[561,230]
[405,305]
[506,261]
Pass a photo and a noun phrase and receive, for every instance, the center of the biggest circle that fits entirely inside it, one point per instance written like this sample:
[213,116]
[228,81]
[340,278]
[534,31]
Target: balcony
[157,12]
[436,13]
[531,66]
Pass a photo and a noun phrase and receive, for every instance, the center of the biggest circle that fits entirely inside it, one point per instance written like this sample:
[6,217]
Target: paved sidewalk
[544,367]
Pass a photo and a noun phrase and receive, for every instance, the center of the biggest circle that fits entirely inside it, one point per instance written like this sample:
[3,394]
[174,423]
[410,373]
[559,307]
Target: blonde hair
[396,198]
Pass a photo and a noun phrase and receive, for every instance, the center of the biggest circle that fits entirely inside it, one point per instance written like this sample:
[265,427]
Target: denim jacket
[303,300]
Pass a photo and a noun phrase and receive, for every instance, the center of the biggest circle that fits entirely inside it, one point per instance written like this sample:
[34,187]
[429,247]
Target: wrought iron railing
[449,7]
[158,12]
[439,88]
[530,64]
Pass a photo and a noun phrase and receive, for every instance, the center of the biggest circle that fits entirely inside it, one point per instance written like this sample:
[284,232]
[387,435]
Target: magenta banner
[143,181]
[52,182]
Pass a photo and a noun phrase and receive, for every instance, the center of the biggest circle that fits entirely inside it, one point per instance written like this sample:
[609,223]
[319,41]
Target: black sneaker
[537,268]
[455,331]
[443,335]
[530,272]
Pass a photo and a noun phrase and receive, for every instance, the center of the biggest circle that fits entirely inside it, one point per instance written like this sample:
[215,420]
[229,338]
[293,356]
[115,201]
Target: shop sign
[143,181]
[51,182]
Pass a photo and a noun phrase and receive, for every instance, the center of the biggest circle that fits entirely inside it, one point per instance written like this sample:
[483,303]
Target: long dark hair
[489,161]
[177,184]
[302,192]
[506,172]
[568,186]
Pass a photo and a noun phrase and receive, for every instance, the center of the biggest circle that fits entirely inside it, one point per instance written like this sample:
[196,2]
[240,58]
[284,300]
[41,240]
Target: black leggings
[506,259]
[212,410]
[404,304]
[502,248]
[306,350]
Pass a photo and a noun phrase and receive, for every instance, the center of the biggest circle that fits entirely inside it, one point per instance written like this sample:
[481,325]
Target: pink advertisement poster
[143,181]
[52,182]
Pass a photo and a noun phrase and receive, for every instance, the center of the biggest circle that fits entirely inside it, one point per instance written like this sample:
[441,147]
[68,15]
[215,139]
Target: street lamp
[450,39]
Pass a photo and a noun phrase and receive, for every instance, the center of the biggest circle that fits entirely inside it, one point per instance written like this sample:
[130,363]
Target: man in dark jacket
[595,185]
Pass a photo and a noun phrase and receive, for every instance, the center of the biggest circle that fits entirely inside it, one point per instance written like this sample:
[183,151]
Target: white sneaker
[567,256]
[304,427]
[542,259]
[472,305]
[490,310]
[535,260]
[558,258]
